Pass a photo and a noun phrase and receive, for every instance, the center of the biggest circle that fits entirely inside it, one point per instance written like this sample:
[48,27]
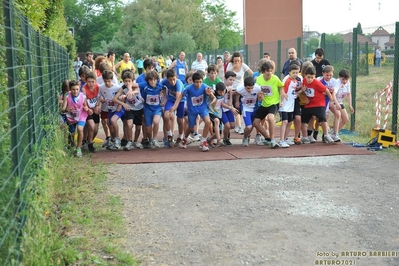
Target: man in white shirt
[199,64]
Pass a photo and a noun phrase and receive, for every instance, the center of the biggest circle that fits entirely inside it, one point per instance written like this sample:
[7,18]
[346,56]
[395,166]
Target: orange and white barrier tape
[378,105]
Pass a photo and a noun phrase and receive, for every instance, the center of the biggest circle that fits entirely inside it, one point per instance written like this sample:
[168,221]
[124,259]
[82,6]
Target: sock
[309,132]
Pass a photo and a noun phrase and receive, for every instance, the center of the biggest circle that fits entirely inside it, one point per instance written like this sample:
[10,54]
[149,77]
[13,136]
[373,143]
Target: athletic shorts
[319,112]
[262,111]
[94,117]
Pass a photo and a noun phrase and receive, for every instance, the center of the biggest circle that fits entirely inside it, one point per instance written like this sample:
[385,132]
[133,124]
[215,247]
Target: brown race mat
[193,153]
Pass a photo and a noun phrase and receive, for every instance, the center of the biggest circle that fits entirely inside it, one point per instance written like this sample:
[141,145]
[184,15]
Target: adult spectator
[292,55]
[378,57]
[111,61]
[76,65]
[319,62]
[124,64]
[199,64]
[239,68]
[180,67]
[140,65]
[168,62]
[89,61]
[226,57]
[266,55]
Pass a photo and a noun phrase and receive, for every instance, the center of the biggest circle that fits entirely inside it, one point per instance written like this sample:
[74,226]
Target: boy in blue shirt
[196,105]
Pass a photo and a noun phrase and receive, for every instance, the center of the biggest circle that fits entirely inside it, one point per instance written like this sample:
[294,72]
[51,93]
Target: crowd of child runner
[195,97]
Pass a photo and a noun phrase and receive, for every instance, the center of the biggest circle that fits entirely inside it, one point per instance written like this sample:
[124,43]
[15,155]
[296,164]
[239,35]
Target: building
[380,37]
[270,21]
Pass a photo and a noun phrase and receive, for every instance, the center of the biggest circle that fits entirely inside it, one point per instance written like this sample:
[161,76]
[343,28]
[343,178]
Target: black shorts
[289,116]
[262,112]
[297,107]
[94,117]
[319,112]
[136,115]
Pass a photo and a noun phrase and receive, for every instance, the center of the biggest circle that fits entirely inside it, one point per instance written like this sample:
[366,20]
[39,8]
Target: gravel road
[281,211]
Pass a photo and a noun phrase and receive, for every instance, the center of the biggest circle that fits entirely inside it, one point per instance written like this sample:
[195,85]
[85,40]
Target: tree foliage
[94,21]
[359,29]
[169,26]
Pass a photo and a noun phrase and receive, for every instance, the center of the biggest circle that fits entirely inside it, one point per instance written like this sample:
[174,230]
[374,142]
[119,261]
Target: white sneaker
[117,143]
[258,138]
[311,139]
[273,144]
[237,129]
[335,138]
[154,144]
[204,145]
[305,140]
[328,139]
[289,142]
[241,131]
[106,143]
[138,145]
[245,142]
[283,144]
[196,137]
[128,146]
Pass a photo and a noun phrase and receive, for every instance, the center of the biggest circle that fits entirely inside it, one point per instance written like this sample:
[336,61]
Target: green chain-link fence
[32,68]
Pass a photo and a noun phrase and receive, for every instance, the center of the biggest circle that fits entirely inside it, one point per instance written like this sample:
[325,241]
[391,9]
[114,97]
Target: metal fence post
[278,58]
[367,58]
[354,60]
[261,50]
[31,111]
[12,77]
[299,47]
[395,81]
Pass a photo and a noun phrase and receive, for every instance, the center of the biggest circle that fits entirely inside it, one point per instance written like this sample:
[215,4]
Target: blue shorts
[119,114]
[248,118]
[192,118]
[228,117]
[72,127]
[149,115]
[179,110]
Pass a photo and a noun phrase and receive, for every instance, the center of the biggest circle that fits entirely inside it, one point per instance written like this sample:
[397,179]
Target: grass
[73,221]
[365,111]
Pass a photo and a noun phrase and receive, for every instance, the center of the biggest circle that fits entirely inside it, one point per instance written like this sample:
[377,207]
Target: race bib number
[73,115]
[152,99]
[309,92]
[92,102]
[249,101]
[110,104]
[196,101]
[182,71]
[267,90]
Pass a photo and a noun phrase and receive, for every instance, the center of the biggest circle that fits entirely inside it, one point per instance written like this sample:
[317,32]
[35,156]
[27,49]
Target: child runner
[248,94]
[196,105]
[316,106]
[287,106]
[228,116]
[91,90]
[76,110]
[343,90]
[271,86]
[215,112]
[132,105]
[151,91]
[107,93]
[175,102]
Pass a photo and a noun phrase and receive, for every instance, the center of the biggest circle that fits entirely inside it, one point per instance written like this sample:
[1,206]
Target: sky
[341,16]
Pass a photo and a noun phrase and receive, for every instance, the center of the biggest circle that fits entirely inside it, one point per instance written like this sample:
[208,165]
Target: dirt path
[283,211]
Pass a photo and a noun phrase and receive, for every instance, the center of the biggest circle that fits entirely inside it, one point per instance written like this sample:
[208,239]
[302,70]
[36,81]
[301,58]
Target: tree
[94,21]
[359,29]
[195,24]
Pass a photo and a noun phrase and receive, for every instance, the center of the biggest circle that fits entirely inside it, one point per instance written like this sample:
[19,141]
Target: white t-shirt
[248,100]
[240,74]
[342,90]
[203,65]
